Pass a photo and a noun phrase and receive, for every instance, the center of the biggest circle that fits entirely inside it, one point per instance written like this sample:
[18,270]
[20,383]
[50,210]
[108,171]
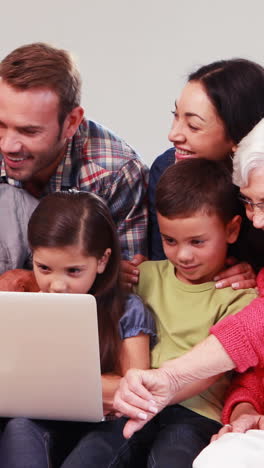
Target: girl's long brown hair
[80,218]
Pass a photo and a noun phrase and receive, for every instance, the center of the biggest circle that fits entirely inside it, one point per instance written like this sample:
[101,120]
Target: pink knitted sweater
[242,336]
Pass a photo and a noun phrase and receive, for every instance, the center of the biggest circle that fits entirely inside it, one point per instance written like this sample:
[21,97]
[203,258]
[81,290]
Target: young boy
[198,218]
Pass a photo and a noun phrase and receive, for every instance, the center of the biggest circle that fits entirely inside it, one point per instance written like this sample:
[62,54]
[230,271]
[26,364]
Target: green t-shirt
[184,314]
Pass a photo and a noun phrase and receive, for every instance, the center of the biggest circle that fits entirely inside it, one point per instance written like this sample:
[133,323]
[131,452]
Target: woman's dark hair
[236,89]
[80,218]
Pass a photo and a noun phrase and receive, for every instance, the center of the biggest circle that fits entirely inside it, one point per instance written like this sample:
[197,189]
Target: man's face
[31,140]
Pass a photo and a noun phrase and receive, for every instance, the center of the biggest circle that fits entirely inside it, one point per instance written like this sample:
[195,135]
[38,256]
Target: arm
[134,353]
[247,387]
[143,393]
[128,204]
[243,418]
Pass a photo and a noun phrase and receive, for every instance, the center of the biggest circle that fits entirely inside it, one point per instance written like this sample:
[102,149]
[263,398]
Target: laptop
[49,357]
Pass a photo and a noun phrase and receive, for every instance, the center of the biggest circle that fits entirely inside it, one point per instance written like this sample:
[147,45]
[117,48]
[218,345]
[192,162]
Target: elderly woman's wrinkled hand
[242,424]
[142,394]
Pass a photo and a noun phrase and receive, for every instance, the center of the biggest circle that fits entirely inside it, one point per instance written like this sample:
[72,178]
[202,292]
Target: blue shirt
[137,319]
[158,167]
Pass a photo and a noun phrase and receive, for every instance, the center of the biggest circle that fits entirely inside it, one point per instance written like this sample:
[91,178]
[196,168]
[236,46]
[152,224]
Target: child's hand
[238,276]
[130,272]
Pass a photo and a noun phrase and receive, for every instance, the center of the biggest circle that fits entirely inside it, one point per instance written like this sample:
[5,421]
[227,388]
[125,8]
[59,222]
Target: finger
[129,279]
[135,381]
[242,268]
[237,281]
[131,404]
[231,261]
[128,268]
[138,259]
[261,423]
[245,284]
[132,426]
[130,411]
[224,430]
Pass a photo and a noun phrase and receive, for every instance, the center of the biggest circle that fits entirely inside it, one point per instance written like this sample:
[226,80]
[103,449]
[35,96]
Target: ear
[72,121]
[232,229]
[102,262]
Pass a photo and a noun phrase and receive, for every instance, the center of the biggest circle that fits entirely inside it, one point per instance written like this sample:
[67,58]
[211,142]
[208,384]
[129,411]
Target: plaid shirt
[98,161]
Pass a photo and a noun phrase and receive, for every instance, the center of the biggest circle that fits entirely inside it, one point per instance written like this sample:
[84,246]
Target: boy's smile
[197,245]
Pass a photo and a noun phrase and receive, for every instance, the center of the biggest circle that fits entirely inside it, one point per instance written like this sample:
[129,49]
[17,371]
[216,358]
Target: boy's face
[197,245]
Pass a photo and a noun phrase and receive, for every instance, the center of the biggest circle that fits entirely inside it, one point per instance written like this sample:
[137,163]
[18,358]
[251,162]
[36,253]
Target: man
[46,144]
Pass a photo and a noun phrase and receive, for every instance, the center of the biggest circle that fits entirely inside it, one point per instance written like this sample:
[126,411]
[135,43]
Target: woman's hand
[244,417]
[129,271]
[237,275]
[142,394]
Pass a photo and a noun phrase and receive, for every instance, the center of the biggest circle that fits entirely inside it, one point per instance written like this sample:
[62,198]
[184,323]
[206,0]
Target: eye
[193,128]
[197,242]
[175,113]
[42,268]
[74,271]
[29,131]
[169,240]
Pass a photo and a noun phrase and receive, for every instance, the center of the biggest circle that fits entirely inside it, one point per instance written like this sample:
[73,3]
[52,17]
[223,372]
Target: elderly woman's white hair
[249,155]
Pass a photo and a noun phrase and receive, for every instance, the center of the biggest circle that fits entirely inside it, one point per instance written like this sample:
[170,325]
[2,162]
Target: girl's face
[197,131]
[66,269]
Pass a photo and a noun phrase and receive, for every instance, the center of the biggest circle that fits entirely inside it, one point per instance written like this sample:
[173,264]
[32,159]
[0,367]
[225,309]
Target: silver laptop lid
[49,356]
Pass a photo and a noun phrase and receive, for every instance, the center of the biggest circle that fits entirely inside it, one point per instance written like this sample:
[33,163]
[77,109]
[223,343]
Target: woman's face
[254,193]
[197,131]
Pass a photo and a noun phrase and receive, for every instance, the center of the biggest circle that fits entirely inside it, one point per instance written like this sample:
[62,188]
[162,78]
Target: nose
[258,219]
[184,254]
[176,134]
[10,142]
[58,285]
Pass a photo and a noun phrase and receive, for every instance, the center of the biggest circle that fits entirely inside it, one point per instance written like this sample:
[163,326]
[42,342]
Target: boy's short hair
[194,185]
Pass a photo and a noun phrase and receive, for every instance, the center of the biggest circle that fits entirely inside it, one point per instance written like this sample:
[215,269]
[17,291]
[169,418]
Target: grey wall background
[134,55]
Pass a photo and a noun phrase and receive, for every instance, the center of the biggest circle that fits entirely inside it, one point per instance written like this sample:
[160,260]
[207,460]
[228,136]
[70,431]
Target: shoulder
[136,319]
[12,195]
[232,301]
[153,266]
[99,140]
[163,161]
[153,274]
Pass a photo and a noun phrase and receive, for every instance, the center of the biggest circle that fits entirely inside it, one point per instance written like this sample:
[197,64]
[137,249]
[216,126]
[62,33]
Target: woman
[218,106]
[235,342]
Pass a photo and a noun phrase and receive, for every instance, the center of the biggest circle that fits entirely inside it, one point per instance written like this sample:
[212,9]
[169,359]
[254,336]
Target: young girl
[76,250]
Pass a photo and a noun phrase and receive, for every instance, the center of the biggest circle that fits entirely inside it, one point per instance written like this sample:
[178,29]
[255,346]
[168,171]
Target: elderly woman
[235,342]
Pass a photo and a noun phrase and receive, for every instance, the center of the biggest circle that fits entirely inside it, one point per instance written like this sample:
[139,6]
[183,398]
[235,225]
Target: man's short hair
[40,65]
[194,185]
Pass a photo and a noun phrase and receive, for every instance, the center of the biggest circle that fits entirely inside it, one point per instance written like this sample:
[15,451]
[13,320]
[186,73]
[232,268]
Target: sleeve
[137,319]
[28,203]
[242,335]
[247,387]
[160,164]
[127,201]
